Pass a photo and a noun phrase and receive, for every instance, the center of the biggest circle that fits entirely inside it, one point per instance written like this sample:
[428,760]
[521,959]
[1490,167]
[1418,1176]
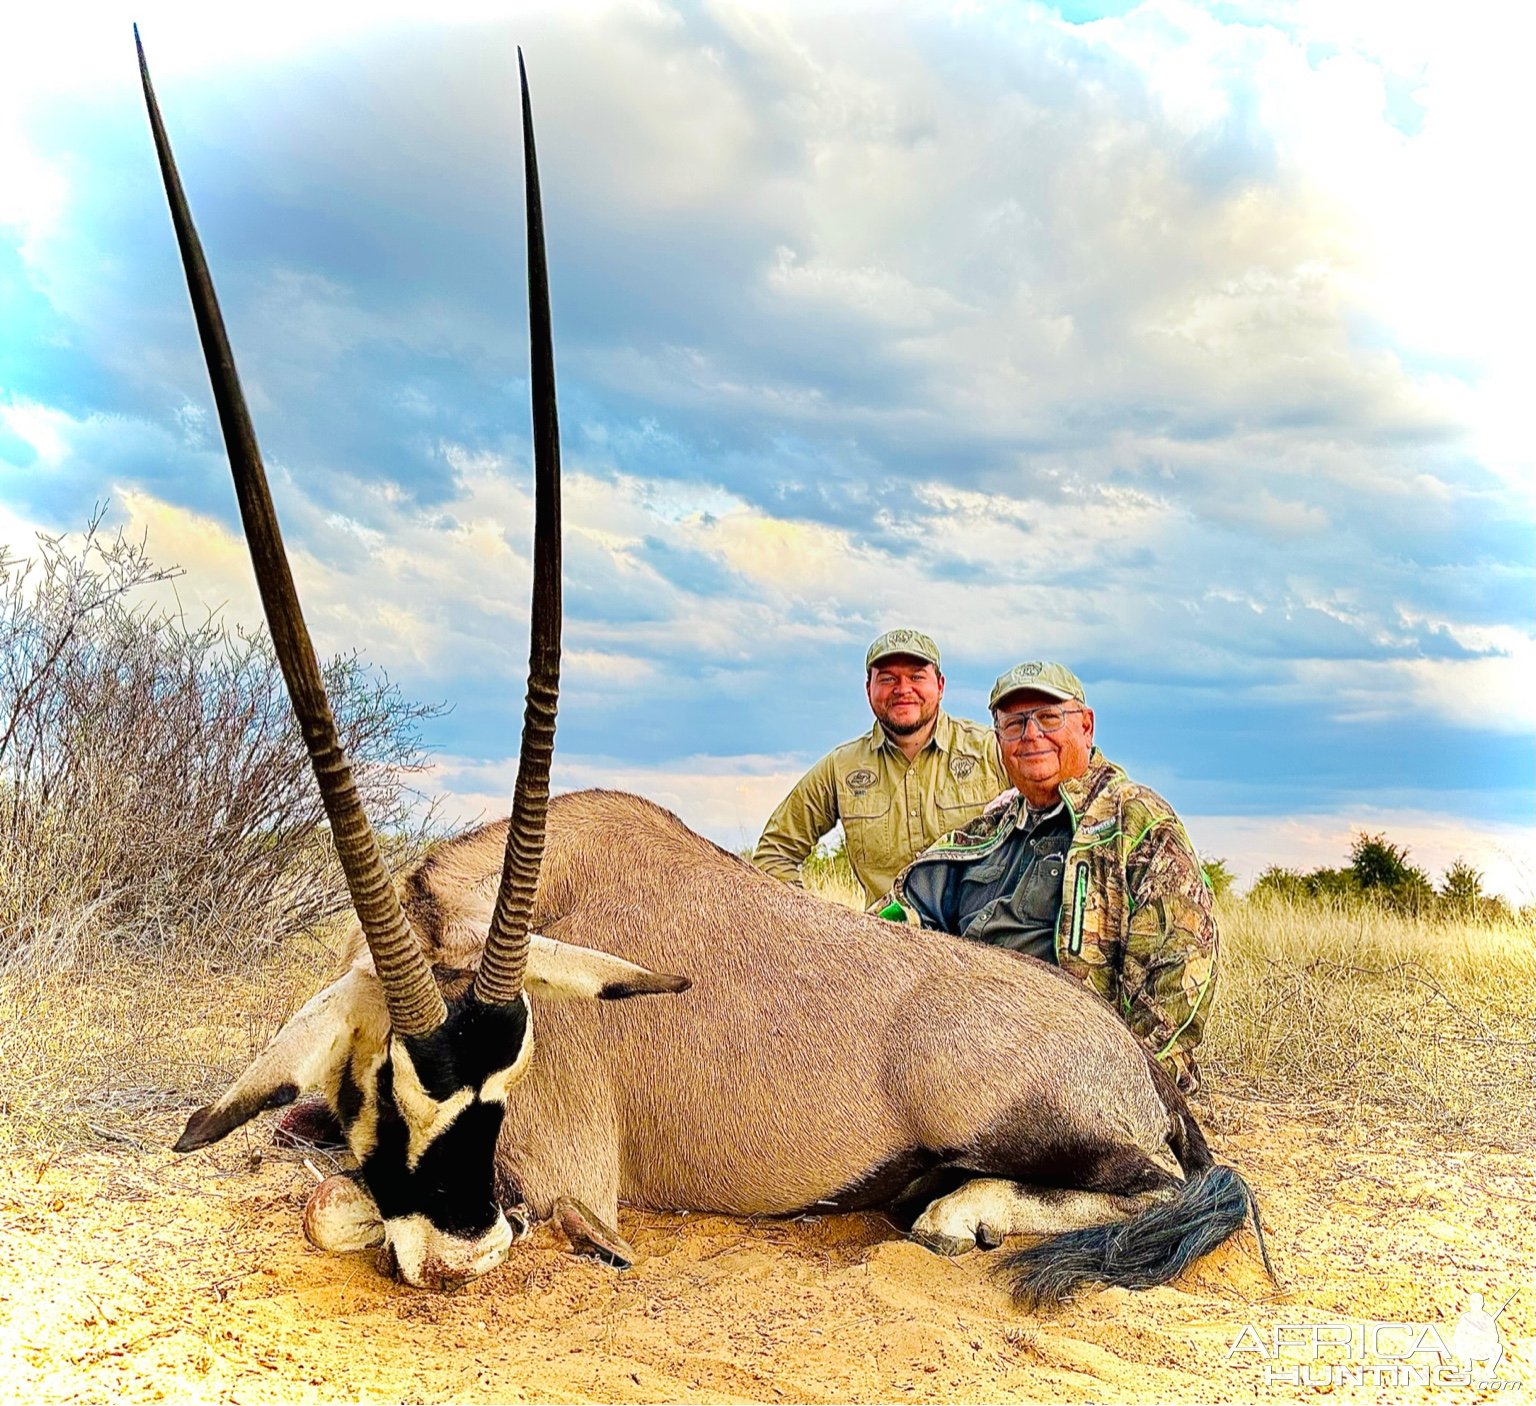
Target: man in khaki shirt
[916,775]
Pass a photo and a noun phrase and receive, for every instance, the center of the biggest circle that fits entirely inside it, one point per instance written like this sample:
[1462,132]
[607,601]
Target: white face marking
[429,1259]
[424,1116]
[363,1135]
[496,1088]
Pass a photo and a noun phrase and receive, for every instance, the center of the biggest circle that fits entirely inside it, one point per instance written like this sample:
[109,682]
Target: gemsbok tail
[1209,1207]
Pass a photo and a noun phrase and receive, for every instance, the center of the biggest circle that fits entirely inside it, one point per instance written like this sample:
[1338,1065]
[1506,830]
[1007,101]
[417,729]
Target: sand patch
[132,1274]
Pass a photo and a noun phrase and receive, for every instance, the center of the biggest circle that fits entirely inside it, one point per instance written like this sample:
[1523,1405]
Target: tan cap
[913,642]
[1038,676]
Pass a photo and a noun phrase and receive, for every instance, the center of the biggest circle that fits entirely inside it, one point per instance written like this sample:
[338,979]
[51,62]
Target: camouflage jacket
[1135,924]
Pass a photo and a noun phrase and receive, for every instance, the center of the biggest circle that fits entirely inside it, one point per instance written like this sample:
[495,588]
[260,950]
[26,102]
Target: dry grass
[85,1052]
[1428,1019]
[830,876]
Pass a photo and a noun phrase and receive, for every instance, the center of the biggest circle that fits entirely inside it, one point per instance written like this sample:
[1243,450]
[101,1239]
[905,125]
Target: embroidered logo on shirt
[961,767]
[862,779]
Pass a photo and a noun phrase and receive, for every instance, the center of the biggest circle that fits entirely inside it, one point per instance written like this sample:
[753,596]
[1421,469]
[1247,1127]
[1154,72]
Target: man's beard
[905,729]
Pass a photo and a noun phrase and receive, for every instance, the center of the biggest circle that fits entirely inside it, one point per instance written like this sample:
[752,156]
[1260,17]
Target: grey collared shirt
[1012,897]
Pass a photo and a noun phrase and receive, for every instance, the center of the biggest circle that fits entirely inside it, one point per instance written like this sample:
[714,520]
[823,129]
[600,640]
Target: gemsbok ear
[309,1052]
[564,971]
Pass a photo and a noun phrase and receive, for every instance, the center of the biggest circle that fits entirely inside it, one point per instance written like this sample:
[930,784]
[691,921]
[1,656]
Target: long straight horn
[500,978]
[415,1006]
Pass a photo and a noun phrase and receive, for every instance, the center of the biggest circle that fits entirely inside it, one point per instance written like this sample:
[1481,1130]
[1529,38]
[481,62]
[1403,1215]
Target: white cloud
[42,428]
[726,798]
[18,534]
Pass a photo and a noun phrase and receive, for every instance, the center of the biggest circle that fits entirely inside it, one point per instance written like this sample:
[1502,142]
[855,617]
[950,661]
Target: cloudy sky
[1186,344]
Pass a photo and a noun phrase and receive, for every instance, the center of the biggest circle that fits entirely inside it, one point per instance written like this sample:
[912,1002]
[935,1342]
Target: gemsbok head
[420,1083]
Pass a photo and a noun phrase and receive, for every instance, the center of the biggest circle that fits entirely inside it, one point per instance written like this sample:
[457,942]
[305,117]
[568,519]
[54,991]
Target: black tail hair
[1156,1246]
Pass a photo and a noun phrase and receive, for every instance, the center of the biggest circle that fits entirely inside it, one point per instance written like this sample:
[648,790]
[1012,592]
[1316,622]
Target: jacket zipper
[1079,903]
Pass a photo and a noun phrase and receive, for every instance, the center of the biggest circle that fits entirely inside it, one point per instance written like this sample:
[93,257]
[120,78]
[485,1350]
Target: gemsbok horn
[440,1091]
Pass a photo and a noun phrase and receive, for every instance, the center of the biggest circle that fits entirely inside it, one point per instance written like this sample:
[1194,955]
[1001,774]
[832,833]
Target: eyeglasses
[1047,719]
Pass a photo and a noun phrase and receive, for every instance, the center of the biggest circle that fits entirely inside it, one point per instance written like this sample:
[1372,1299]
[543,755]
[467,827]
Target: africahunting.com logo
[1470,1352]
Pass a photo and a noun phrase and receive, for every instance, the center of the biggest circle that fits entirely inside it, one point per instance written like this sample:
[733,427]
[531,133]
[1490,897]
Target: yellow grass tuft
[829,875]
[87,1051]
[1431,1019]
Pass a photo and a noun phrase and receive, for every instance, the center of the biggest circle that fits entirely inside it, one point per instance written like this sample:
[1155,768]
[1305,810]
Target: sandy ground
[129,1273]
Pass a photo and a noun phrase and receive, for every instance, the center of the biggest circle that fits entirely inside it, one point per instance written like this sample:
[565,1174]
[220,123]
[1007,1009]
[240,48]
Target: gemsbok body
[589,1004]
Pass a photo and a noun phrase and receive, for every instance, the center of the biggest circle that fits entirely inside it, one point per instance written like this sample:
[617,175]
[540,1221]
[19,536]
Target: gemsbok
[807,1058]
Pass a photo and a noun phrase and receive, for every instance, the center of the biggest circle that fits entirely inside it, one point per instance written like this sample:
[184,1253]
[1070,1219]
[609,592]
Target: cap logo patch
[961,767]
[862,779]
[1030,671]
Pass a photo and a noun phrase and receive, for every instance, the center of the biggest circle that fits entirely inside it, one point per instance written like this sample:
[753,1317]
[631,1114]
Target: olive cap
[913,642]
[1038,676]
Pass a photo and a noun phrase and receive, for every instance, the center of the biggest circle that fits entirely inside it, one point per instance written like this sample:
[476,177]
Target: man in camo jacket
[1079,866]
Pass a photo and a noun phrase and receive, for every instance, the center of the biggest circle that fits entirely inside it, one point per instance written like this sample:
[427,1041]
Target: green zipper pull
[1079,902]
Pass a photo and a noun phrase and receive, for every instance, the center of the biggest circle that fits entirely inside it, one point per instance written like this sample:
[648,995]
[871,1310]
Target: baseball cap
[913,642]
[1039,676]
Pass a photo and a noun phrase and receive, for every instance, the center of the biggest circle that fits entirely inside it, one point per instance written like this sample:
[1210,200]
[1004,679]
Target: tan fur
[815,1044]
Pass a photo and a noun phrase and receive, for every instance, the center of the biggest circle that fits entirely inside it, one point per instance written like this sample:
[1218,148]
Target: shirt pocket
[962,800]
[1039,897]
[866,825]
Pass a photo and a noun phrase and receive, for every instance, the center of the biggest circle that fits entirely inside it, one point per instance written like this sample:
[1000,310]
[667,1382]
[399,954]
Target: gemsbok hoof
[942,1244]
[589,1236]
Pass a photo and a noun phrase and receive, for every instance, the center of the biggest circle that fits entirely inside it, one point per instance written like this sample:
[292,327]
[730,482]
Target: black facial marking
[349,1097]
[454,1184]
[475,1042]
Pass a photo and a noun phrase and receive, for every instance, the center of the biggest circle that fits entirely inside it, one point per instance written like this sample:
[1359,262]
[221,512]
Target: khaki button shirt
[891,810]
